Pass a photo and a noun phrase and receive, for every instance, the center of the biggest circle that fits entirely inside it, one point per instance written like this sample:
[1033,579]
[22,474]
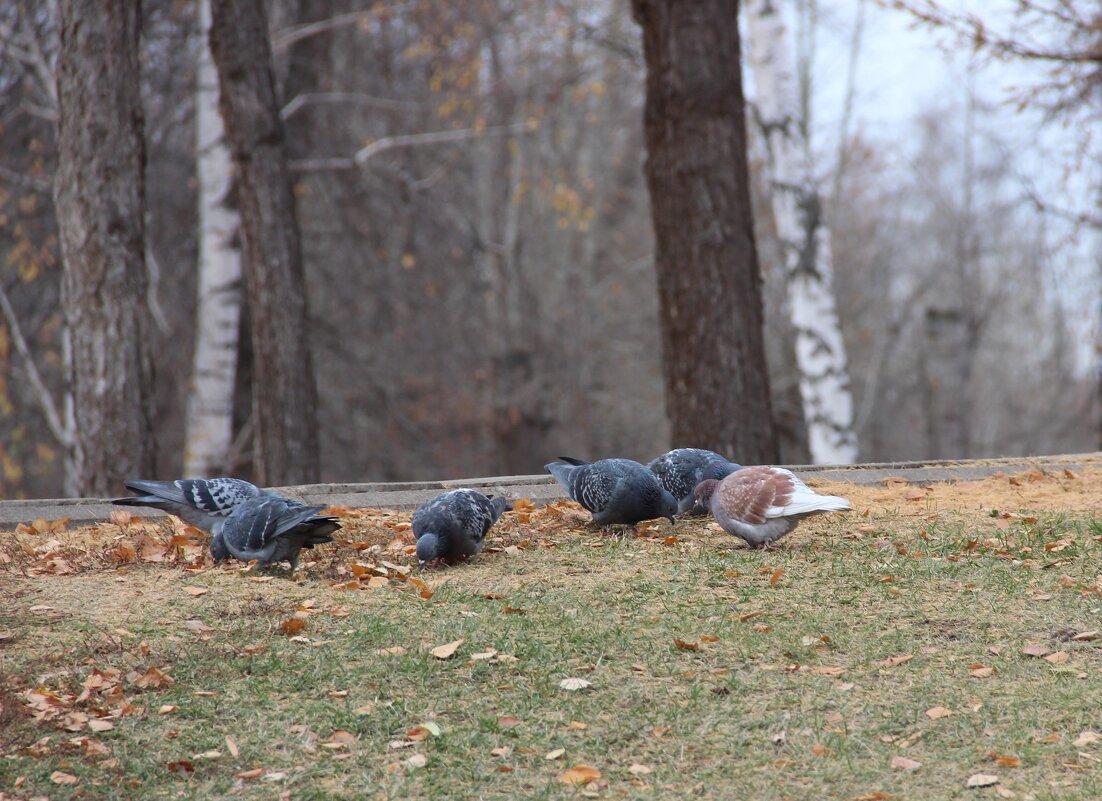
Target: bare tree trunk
[218,313]
[100,204]
[717,383]
[284,392]
[820,350]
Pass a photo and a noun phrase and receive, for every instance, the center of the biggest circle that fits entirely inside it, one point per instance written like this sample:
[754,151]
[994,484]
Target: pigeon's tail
[562,473]
[501,505]
[573,461]
[810,503]
[317,530]
[153,493]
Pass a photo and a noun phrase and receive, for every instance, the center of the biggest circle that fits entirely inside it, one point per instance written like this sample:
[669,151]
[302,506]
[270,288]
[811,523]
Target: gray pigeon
[206,503]
[762,504]
[269,529]
[680,470]
[453,524]
[614,490]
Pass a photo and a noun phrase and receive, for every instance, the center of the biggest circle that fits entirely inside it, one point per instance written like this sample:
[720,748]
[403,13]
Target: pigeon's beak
[670,518]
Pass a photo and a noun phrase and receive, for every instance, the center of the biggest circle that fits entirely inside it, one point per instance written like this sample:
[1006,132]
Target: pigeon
[761,504]
[614,490]
[269,528]
[680,470]
[453,524]
[207,503]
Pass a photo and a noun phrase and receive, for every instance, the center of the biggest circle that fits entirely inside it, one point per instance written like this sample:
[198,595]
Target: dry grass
[803,673]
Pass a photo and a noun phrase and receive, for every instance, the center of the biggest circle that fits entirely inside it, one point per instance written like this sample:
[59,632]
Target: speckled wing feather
[680,470]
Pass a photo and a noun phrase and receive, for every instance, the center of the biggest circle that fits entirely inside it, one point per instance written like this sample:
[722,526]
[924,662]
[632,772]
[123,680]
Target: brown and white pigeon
[762,504]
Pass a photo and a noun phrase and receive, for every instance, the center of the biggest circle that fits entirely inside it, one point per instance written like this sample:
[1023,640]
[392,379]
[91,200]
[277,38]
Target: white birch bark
[218,312]
[820,351]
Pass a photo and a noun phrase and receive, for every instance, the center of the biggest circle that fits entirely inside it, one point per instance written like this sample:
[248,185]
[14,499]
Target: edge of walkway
[542,488]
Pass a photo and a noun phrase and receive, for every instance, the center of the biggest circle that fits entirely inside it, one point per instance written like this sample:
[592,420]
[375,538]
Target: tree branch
[45,399]
[309,98]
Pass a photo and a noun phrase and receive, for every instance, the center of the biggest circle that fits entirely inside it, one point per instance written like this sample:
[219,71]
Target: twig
[308,98]
[45,399]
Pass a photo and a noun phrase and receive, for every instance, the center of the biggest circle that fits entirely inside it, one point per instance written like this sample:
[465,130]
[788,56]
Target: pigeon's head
[669,505]
[719,470]
[429,547]
[702,495]
[501,505]
[218,548]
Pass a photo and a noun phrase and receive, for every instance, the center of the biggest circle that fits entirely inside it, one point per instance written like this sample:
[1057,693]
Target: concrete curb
[542,488]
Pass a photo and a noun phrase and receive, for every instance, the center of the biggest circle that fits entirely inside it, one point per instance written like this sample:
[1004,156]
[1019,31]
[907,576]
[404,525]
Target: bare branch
[310,98]
[372,149]
[284,39]
[45,399]
[27,181]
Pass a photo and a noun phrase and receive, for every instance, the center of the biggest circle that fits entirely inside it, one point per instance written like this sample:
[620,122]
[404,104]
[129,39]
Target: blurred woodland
[478,253]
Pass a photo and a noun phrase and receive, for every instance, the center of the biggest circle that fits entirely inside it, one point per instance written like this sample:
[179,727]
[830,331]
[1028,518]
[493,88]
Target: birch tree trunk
[100,206]
[218,312]
[284,390]
[797,209]
[709,283]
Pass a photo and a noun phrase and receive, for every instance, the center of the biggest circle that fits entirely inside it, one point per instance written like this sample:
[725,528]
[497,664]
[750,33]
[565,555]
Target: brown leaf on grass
[982,672]
[291,626]
[936,712]
[762,628]
[821,750]
[1034,650]
[670,540]
[892,661]
[446,651]
[417,761]
[231,746]
[58,777]
[826,670]
[776,576]
[877,796]
[1058,658]
[394,650]
[902,763]
[748,616]
[577,725]
[1086,636]
[152,679]
[552,755]
[167,709]
[1087,737]
[501,751]
[255,773]
[982,780]
[99,725]
[1008,761]
[708,638]
[507,722]
[196,591]
[580,774]
[120,517]
[683,645]
[181,766]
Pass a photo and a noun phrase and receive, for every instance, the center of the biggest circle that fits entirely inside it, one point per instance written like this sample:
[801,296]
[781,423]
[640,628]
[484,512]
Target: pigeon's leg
[769,545]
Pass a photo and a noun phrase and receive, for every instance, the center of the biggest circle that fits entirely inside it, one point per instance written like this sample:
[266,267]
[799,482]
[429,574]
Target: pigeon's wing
[593,488]
[804,500]
[216,496]
[253,525]
[429,514]
[755,494]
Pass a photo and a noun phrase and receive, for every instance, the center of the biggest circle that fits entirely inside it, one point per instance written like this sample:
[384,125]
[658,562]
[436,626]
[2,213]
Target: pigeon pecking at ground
[453,525]
[761,504]
[680,470]
[270,528]
[207,503]
[614,490]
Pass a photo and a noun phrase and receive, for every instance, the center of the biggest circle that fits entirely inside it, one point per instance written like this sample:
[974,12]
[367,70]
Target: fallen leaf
[214,753]
[682,645]
[574,684]
[933,713]
[1008,761]
[98,725]
[897,660]
[877,796]
[423,731]
[558,752]
[776,576]
[982,780]
[902,763]
[982,672]
[820,750]
[57,777]
[580,774]
[826,670]
[181,766]
[152,679]
[507,722]
[231,746]
[576,725]
[417,761]
[1004,792]
[447,650]
[6,635]
[196,625]
[1034,650]
[501,751]
[255,773]
[291,626]
[275,776]
[1058,658]
[196,591]
[394,650]
[1086,636]
[748,616]
[762,628]
[639,770]
[167,709]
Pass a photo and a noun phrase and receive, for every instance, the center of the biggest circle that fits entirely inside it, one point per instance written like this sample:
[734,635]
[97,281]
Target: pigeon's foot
[768,545]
